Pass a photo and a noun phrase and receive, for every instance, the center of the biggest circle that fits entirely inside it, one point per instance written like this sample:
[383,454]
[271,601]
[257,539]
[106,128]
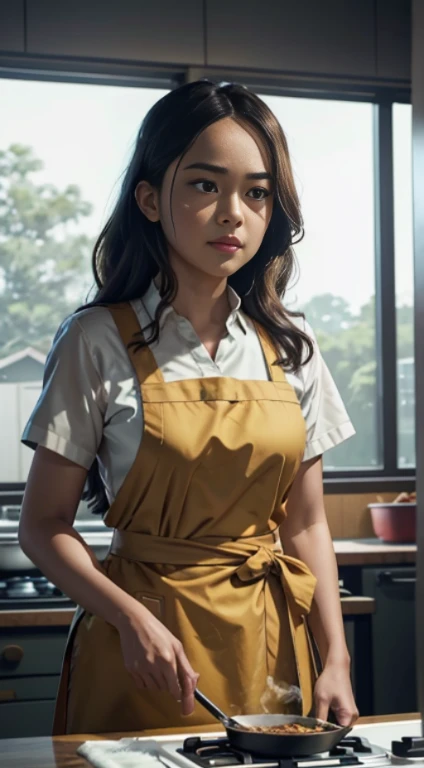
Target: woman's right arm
[152,655]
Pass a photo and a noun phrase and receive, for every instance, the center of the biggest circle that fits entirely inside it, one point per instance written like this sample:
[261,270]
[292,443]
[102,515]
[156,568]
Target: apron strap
[143,360]
[276,372]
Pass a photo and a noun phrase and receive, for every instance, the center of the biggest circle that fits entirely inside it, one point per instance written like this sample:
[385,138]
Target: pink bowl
[394,522]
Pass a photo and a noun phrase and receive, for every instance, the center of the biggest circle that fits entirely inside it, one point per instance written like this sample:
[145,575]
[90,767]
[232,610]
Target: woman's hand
[333,690]
[156,659]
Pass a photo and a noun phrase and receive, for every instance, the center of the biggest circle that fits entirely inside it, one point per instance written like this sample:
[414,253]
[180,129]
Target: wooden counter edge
[376,558]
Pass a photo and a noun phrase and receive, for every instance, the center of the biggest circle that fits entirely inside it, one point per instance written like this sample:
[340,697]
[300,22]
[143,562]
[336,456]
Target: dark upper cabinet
[394,39]
[335,37]
[160,31]
[12,35]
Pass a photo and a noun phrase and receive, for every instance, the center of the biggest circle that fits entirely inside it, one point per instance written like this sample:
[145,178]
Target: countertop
[62,617]
[59,752]
[373,552]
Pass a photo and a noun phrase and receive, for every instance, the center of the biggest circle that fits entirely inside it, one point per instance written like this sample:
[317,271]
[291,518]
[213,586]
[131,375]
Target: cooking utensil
[275,744]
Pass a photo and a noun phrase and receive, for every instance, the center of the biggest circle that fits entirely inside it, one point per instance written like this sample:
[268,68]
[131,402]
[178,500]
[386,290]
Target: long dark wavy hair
[131,250]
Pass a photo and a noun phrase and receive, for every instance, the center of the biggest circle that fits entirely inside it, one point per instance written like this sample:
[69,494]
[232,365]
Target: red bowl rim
[394,505]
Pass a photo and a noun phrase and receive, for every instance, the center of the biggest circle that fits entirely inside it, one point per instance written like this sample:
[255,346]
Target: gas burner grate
[218,753]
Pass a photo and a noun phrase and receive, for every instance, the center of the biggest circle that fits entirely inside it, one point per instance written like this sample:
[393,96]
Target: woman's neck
[203,301]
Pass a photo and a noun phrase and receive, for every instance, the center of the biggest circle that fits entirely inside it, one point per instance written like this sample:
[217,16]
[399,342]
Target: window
[63,149]
[402,172]
[331,147]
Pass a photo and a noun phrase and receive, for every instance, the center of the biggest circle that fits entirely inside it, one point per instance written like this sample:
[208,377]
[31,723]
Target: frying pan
[275,744]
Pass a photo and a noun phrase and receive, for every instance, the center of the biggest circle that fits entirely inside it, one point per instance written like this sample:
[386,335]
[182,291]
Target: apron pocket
[154,603]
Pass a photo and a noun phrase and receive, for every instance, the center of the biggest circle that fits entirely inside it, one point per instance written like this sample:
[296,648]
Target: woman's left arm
[306,536]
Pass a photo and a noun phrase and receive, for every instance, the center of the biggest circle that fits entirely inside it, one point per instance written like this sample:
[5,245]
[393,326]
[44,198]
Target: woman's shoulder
[91,335]
[93,324]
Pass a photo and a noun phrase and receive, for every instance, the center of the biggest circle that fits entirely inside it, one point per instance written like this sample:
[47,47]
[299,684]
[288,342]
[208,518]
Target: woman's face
[222,190]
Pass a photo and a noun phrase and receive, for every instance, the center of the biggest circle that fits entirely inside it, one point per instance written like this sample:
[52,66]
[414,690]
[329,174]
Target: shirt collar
[151,300]
[235,315]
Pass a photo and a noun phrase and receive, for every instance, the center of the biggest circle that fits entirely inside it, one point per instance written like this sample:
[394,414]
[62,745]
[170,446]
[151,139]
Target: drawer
[32,651]
[28,688]
[27,718]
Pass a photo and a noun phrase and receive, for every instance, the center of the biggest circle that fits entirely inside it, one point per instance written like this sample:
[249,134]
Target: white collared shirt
[91,405]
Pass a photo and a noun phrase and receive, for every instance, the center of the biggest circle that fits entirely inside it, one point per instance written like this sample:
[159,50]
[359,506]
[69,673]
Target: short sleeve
[68,417]
[327,421]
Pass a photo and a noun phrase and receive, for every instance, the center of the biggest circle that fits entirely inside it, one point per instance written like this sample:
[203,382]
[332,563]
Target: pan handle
[213,709]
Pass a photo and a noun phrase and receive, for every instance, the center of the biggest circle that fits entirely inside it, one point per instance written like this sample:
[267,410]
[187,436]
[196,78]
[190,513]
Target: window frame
[389,477]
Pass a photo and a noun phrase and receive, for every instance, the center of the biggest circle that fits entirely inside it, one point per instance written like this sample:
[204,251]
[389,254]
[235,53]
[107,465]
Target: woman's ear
[147,198]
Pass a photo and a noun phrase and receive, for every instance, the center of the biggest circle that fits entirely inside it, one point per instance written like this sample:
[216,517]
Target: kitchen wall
[348,515]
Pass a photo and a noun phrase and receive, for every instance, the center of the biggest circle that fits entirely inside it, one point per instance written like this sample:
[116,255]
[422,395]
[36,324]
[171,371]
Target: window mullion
[385,305]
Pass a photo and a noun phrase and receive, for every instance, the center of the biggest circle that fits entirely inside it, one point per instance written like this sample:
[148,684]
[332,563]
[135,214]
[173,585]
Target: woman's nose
[229,212]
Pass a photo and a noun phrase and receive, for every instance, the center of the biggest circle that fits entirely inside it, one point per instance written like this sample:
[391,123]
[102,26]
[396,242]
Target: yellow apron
[196,541]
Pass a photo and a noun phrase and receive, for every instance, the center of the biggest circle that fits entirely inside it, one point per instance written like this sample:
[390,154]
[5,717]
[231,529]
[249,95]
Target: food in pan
[285,728]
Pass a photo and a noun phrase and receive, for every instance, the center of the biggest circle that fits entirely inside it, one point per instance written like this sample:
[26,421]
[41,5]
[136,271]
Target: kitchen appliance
[239,737]
[218,752]
[22,585]
[367,745]
[30,592]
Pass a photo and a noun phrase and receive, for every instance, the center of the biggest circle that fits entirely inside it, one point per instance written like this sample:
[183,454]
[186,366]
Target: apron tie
[253,558]
[297,580]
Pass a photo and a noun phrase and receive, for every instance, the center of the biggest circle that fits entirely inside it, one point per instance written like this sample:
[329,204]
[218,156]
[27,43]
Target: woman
[199,407]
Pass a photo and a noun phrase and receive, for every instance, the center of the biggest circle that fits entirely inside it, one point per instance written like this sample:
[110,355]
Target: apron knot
[296,578]
[257,566]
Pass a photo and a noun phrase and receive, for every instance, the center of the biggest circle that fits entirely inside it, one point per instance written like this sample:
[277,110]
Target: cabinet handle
[388,578]
[12,654]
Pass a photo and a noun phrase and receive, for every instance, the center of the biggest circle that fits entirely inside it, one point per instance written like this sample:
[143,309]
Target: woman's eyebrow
[221,169]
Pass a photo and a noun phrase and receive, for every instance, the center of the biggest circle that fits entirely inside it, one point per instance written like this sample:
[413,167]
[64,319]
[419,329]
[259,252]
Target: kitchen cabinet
[394,33]
[393,638]
[334,37]
[28,718]
[12,34]
[162,31]
[30,664]
[392,643]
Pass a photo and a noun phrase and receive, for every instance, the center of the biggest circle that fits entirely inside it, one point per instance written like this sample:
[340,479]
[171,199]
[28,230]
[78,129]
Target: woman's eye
[259,193]
[205,186]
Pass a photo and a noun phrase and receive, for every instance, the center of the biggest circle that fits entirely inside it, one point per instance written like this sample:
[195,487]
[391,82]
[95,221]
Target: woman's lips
[225,247]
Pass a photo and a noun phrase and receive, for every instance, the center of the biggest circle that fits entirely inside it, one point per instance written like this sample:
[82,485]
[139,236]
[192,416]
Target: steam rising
[281,698]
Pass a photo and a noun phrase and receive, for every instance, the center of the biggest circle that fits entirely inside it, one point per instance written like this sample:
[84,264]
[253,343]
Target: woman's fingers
[188,681]
[346,715]
[322,708]
[170,676]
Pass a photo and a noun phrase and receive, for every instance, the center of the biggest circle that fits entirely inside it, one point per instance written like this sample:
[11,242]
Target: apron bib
[196,541]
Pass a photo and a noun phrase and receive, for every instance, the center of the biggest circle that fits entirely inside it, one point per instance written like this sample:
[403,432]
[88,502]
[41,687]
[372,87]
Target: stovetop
[218,753]
[31,592]
[366,745]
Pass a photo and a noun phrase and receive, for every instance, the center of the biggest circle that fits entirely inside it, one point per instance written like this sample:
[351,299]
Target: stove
[31,592]
[218,753]
[210,750]
[366,745]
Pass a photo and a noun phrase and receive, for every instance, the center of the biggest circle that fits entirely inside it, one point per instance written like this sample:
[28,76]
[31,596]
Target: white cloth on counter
[91,405]
[123,753]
